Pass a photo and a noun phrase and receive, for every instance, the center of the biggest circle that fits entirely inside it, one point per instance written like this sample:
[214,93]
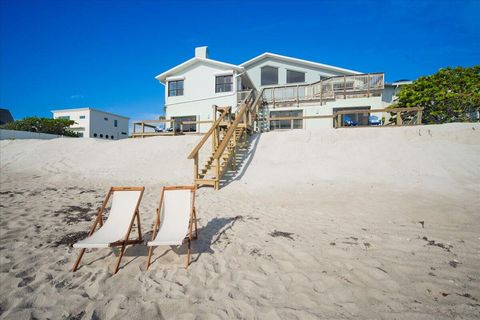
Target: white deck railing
[328,89]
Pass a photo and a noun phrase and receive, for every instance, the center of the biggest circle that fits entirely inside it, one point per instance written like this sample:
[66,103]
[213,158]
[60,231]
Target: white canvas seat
[175,218]
[115,231]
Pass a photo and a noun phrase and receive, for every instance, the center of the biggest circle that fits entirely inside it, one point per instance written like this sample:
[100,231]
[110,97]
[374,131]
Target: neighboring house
[93,123]
[392,89]
[291,88]
[5,116]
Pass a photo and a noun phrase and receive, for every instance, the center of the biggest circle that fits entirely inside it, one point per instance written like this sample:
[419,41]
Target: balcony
[339,87]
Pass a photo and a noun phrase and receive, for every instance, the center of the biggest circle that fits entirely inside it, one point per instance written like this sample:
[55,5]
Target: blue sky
[105,54]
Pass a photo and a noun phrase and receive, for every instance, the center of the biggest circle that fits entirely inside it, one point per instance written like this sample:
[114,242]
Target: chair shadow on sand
[208,236]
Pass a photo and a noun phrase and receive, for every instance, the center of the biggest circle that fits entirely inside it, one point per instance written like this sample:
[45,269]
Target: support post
[195,167]
[419,116]
[321,92]
[217,178]
[399,119]
[368,85]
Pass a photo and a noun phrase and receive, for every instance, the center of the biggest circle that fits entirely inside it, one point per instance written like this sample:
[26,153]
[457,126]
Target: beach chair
[174,219]
[115,231]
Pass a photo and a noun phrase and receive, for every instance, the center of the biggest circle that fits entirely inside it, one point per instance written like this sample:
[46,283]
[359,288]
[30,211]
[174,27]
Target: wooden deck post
[217,178]
[419,116]
[195,167]
[368,85]
[399,119]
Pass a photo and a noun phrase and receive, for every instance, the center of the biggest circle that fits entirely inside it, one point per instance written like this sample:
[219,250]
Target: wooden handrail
[207,135]
[238,117]
[394,110]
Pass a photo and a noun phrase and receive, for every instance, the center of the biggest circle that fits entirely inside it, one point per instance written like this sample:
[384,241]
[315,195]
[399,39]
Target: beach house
[290,87]
[94,123]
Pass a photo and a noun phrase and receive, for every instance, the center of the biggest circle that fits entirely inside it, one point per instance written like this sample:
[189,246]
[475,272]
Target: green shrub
[450,95]
[43,125]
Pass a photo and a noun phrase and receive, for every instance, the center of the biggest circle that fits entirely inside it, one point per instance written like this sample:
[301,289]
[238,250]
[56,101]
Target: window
[124,133]
[112,137]
[353,119]
[269,76]
[224,83]
[175,88]
[115,123]
[295,76]
[188,127]
[106,119]
[106,137]
[286,124]
[94,135]
[101,135]
[64,117]
[82,117]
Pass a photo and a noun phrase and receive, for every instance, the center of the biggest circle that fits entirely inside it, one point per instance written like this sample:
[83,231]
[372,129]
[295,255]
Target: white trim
[161,77]
[175,78]
[89,109]
[299,61]
[224,73]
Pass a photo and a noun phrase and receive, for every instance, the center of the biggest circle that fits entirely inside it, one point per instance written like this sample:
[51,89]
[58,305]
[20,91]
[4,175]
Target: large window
[175,88]
[353,119]
[224,83]
[286,124]
[295,76]
[64,117]
[269,76]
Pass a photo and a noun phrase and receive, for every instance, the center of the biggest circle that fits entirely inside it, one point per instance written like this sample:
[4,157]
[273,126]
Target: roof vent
[201,52]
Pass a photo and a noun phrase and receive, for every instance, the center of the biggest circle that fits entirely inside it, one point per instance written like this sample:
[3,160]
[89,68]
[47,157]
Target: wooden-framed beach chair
[174,219]
[115,231]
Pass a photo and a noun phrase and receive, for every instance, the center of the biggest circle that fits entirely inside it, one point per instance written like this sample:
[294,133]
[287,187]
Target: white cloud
[76,96]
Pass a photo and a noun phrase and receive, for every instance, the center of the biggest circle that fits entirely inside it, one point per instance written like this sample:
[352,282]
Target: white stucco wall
[81,125]
[94,122]
[312,74]
[100,126]
[199,93]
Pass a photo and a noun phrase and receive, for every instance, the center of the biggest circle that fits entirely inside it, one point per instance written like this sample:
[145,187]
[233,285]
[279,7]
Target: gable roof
[163,76]
[299,61]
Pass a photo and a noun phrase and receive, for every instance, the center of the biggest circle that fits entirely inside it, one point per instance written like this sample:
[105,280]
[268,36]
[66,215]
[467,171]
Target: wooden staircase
[228,133]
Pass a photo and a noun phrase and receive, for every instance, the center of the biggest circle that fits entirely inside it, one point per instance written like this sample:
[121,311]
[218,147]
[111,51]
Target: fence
[175,127]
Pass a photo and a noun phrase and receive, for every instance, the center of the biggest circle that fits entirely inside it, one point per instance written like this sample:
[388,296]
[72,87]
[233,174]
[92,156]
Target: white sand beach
[354,223]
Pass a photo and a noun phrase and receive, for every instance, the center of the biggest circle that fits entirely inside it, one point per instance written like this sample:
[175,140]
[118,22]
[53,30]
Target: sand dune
[334,224]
